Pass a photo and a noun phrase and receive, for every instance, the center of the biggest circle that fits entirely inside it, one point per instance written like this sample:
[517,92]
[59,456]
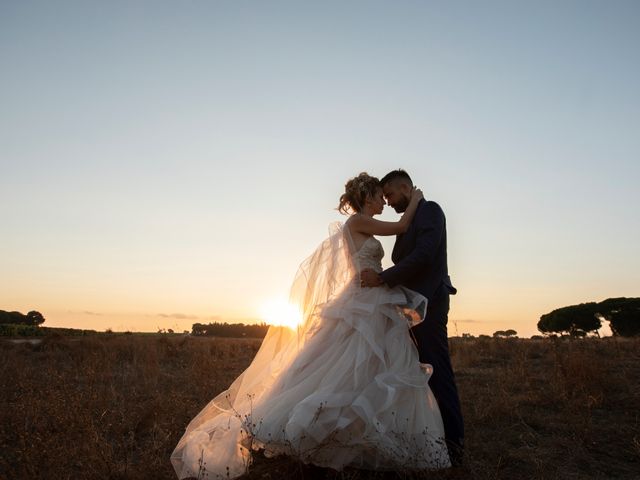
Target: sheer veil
[326,273]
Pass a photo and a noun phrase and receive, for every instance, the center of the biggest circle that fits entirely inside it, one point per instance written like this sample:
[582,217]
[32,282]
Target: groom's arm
[430,223]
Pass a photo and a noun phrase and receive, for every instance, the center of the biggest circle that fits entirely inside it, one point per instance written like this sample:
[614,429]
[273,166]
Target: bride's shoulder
[355,218]
[352,220]
[353,226]
[357,223]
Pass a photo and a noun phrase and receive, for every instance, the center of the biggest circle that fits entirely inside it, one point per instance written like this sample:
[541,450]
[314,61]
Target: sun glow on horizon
[279,312]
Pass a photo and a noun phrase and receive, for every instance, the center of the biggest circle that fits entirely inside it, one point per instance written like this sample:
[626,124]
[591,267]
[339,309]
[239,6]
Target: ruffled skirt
[354,394]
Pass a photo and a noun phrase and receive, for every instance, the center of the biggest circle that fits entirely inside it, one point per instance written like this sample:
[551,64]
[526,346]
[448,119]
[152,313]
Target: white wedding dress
[344,389]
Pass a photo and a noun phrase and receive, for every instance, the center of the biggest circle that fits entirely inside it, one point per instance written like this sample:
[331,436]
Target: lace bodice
[370,255]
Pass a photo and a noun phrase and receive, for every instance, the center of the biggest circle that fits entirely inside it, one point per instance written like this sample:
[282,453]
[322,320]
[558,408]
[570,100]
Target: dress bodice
[369,255]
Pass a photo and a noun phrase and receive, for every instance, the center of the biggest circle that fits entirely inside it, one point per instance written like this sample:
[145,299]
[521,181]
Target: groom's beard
[401,206]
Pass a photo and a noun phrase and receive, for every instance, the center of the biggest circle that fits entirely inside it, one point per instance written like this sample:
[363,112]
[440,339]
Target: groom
[420,258]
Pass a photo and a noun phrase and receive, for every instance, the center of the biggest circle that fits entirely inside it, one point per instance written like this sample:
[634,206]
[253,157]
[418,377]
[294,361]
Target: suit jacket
[420,254]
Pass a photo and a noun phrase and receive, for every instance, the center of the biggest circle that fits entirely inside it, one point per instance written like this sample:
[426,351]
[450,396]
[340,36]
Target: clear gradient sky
[165,163]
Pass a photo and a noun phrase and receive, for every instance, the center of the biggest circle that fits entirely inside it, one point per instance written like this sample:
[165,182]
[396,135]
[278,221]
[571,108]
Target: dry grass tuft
[115,406]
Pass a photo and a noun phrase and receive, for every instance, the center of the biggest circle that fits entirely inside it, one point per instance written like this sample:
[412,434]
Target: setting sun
[279,312]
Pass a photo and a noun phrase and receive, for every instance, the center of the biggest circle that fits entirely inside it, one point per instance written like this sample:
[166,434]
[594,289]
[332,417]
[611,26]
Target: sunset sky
[165,163]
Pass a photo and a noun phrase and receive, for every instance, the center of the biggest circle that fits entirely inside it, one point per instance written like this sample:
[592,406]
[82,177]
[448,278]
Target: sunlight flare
[281,313]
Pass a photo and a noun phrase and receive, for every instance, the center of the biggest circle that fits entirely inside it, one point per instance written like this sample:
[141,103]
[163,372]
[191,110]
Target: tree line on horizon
[623,315]
[32,318]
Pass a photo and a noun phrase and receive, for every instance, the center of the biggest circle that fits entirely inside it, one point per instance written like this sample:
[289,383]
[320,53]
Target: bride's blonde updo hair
[356,192]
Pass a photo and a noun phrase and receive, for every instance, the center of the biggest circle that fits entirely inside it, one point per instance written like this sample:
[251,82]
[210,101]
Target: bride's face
[376,202]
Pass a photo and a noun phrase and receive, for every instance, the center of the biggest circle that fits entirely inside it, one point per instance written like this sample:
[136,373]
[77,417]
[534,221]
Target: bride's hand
[416,195]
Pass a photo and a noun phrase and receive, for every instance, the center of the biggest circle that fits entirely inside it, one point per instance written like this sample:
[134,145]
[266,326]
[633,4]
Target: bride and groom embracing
[365,379]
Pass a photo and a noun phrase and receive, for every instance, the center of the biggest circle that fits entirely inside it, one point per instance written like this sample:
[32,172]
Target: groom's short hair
[396,175]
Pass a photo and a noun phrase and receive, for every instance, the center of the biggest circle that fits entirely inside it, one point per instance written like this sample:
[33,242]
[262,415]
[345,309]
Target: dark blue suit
[420,258]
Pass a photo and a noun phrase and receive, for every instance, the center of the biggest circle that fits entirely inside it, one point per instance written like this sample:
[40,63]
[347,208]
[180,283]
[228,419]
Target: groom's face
[396,196]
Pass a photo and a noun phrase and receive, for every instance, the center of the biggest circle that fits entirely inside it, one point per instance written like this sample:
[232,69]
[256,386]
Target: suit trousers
[433,348]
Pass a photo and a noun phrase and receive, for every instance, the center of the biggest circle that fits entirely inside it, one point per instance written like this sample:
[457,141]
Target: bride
[345,388]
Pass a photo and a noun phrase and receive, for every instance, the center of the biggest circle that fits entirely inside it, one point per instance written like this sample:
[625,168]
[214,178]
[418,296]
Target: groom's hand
[370,278]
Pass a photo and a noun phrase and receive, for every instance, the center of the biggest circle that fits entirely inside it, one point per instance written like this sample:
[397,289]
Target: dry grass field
[114,406]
